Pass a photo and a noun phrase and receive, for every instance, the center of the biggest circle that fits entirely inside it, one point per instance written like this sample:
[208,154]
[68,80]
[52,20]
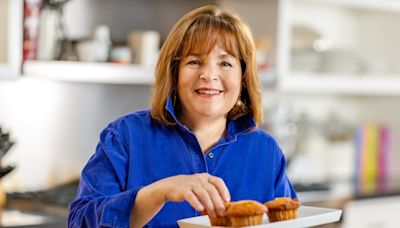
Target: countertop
[20,218]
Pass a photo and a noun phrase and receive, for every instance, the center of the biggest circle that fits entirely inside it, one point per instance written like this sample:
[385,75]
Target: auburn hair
[197,32]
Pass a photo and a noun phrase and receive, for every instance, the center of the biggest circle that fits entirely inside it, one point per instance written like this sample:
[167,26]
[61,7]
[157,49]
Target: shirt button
[210,155]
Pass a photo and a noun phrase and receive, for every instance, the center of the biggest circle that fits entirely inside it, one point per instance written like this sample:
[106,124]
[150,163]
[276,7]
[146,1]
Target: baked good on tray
[245,213]
[282,208]
[220,221]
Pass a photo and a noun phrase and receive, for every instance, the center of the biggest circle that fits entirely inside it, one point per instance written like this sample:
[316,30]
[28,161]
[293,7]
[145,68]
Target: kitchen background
[329,70]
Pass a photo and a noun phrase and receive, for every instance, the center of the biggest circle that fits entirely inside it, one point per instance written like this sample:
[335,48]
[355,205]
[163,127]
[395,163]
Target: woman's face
[209,85]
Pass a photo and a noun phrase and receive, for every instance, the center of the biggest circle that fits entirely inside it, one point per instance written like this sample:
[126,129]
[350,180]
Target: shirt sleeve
[102,199]
[283,187]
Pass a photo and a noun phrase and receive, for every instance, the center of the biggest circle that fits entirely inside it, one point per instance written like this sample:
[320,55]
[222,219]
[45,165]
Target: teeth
[208,91]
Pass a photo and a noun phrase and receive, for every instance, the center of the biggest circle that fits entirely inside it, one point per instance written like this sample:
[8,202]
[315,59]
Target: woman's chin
[212,114]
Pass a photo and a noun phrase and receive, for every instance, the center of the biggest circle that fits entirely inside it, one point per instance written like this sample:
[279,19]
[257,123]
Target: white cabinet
[10,38]
[339,47]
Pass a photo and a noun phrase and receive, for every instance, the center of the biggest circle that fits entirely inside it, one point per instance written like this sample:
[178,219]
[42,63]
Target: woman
[198,147]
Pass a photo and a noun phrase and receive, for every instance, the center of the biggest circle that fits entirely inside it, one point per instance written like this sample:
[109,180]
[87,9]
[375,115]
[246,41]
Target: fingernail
[200,208]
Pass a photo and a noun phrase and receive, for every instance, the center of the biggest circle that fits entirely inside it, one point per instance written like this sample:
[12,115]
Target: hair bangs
[204,33]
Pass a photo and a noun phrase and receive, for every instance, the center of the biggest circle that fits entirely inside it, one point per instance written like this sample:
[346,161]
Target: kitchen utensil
[5,145]
[5,170]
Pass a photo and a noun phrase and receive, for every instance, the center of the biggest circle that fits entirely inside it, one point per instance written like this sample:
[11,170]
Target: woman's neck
[208,131]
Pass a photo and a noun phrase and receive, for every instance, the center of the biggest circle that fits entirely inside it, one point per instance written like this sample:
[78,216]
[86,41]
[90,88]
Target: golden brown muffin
[220,220]
[246,213]
[282,208]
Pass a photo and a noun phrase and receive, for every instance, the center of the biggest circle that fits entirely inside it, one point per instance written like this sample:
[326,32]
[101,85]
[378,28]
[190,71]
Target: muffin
[220,220]
[282,208]
[245,213]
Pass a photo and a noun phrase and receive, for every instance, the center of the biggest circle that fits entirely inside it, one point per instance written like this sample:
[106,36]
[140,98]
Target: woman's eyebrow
[195,54]
[222,56]
[226,56]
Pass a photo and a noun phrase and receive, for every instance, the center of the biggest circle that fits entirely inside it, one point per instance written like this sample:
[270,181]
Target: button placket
[211,159]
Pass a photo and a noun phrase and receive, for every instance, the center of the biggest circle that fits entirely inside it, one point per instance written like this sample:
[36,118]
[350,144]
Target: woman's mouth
[208,91]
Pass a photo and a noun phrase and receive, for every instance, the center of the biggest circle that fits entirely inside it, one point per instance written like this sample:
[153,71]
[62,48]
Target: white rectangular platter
[307,217]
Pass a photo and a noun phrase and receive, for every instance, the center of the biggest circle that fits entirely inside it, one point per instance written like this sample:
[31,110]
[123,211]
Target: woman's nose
[209,73]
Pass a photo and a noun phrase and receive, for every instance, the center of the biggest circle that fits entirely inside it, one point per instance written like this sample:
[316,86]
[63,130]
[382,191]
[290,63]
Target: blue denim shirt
[135,151]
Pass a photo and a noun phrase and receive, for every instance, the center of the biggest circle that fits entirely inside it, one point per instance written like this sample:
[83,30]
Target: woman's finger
[215,198]
[204,197]
[221,187]
[192,199]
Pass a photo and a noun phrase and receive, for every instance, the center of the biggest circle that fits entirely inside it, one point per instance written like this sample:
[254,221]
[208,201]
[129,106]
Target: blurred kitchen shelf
[384,5]
[360,27]
[90,72]
[368,85]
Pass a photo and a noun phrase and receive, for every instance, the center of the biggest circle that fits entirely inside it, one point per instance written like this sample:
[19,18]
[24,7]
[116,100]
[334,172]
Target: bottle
[31,28]
[103,41]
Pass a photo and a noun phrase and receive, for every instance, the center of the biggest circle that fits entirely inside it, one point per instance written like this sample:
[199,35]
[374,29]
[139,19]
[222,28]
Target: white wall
[378,35]
[56,126]
[123,16]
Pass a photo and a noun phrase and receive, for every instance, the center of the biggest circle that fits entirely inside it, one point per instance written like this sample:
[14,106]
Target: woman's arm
[103,199]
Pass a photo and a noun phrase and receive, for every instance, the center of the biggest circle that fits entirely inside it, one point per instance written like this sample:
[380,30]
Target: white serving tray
[308,216]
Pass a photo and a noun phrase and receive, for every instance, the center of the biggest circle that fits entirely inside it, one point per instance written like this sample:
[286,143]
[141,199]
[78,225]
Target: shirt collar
[234,127]
[169,106]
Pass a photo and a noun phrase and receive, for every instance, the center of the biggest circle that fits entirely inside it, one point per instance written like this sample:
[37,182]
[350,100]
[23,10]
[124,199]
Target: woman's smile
[208,92]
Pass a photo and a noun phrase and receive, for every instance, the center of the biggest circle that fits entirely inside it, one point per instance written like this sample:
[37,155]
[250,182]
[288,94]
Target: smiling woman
[208,88]
[185,155]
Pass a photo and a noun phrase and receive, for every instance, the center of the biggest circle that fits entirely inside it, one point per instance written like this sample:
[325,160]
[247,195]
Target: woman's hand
[201,191]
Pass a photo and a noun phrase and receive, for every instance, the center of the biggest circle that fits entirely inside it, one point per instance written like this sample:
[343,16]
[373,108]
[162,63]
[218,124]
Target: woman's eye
[226,64]
[194,62]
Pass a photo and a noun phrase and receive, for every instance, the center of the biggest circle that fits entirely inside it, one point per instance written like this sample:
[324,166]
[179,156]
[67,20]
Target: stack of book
[372,142]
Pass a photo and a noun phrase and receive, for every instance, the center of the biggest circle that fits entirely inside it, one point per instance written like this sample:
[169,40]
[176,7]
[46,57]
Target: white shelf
[383,5]
[90,72]
[368,85]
